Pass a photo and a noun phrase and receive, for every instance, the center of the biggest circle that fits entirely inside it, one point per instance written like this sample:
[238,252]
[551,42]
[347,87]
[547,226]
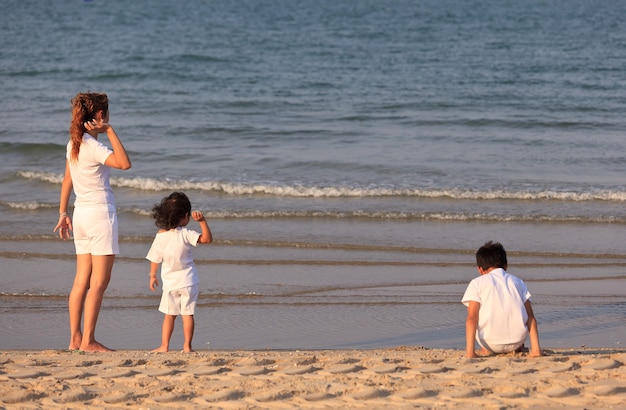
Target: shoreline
[397,377]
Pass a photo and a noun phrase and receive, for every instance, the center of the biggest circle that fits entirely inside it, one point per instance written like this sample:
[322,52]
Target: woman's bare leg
[77,299]
[100,276]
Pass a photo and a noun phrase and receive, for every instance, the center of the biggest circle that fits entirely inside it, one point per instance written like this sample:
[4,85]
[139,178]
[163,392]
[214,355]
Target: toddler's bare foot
[95,347]
[188,351]
[483,352]
[161,349]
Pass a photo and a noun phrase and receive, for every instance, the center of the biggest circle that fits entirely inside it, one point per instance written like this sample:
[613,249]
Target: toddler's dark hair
[491,255]
[171,210]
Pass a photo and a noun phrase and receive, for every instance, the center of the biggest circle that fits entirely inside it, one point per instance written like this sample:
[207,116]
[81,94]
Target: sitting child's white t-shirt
[502,318]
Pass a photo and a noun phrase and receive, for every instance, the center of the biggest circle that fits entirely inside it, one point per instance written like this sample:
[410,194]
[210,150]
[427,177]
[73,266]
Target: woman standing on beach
[87,169]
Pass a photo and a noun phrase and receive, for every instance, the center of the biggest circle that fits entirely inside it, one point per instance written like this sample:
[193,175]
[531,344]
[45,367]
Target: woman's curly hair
[84,109]
[172,209]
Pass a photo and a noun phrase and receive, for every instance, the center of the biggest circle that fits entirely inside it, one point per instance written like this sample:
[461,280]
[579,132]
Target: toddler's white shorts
[179,301]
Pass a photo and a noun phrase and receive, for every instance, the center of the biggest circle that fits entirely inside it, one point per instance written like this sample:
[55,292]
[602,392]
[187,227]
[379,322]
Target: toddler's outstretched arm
[207,236]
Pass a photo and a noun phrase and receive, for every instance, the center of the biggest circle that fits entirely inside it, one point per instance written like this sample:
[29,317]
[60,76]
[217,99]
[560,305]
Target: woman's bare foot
[75,342]
[95,347]
[161,349]
[188,351]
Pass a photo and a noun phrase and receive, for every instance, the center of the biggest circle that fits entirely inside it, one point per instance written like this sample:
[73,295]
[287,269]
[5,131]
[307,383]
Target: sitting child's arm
[207,236]
[471,325]
[535,349]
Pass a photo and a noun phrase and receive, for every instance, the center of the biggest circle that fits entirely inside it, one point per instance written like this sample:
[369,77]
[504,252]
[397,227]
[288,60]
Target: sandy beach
[400,377]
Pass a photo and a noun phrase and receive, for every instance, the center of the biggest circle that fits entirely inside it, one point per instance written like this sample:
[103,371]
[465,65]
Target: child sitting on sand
[499,311]
[172,248]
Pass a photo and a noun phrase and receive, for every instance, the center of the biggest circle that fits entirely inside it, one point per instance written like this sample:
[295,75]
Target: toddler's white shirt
[173,249]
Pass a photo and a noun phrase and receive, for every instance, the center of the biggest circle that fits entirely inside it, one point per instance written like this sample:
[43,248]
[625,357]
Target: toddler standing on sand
[172,248]
[499,312]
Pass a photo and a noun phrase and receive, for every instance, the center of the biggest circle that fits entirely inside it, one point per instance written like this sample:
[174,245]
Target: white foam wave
[41,176]
[301,191]
[29,205]
[408,216]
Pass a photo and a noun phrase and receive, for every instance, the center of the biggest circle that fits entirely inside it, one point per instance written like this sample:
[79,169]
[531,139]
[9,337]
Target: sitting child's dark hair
[491,255]
[171,210]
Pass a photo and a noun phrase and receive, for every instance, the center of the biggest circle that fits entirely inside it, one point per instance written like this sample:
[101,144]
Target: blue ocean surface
[350,155]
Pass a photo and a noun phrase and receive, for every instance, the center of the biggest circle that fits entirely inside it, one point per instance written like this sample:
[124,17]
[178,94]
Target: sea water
[350,157]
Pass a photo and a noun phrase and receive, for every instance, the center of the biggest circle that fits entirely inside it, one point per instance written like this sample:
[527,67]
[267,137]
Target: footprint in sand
[224,395]
[347,366]
[298,370]
[418,394]
[370,393]
[277,395]
[27,374]
[560,392]
[253,371]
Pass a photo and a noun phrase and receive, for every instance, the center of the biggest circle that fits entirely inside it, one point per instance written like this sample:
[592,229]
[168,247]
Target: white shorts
[95,231]
[179,301]
[500,348]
